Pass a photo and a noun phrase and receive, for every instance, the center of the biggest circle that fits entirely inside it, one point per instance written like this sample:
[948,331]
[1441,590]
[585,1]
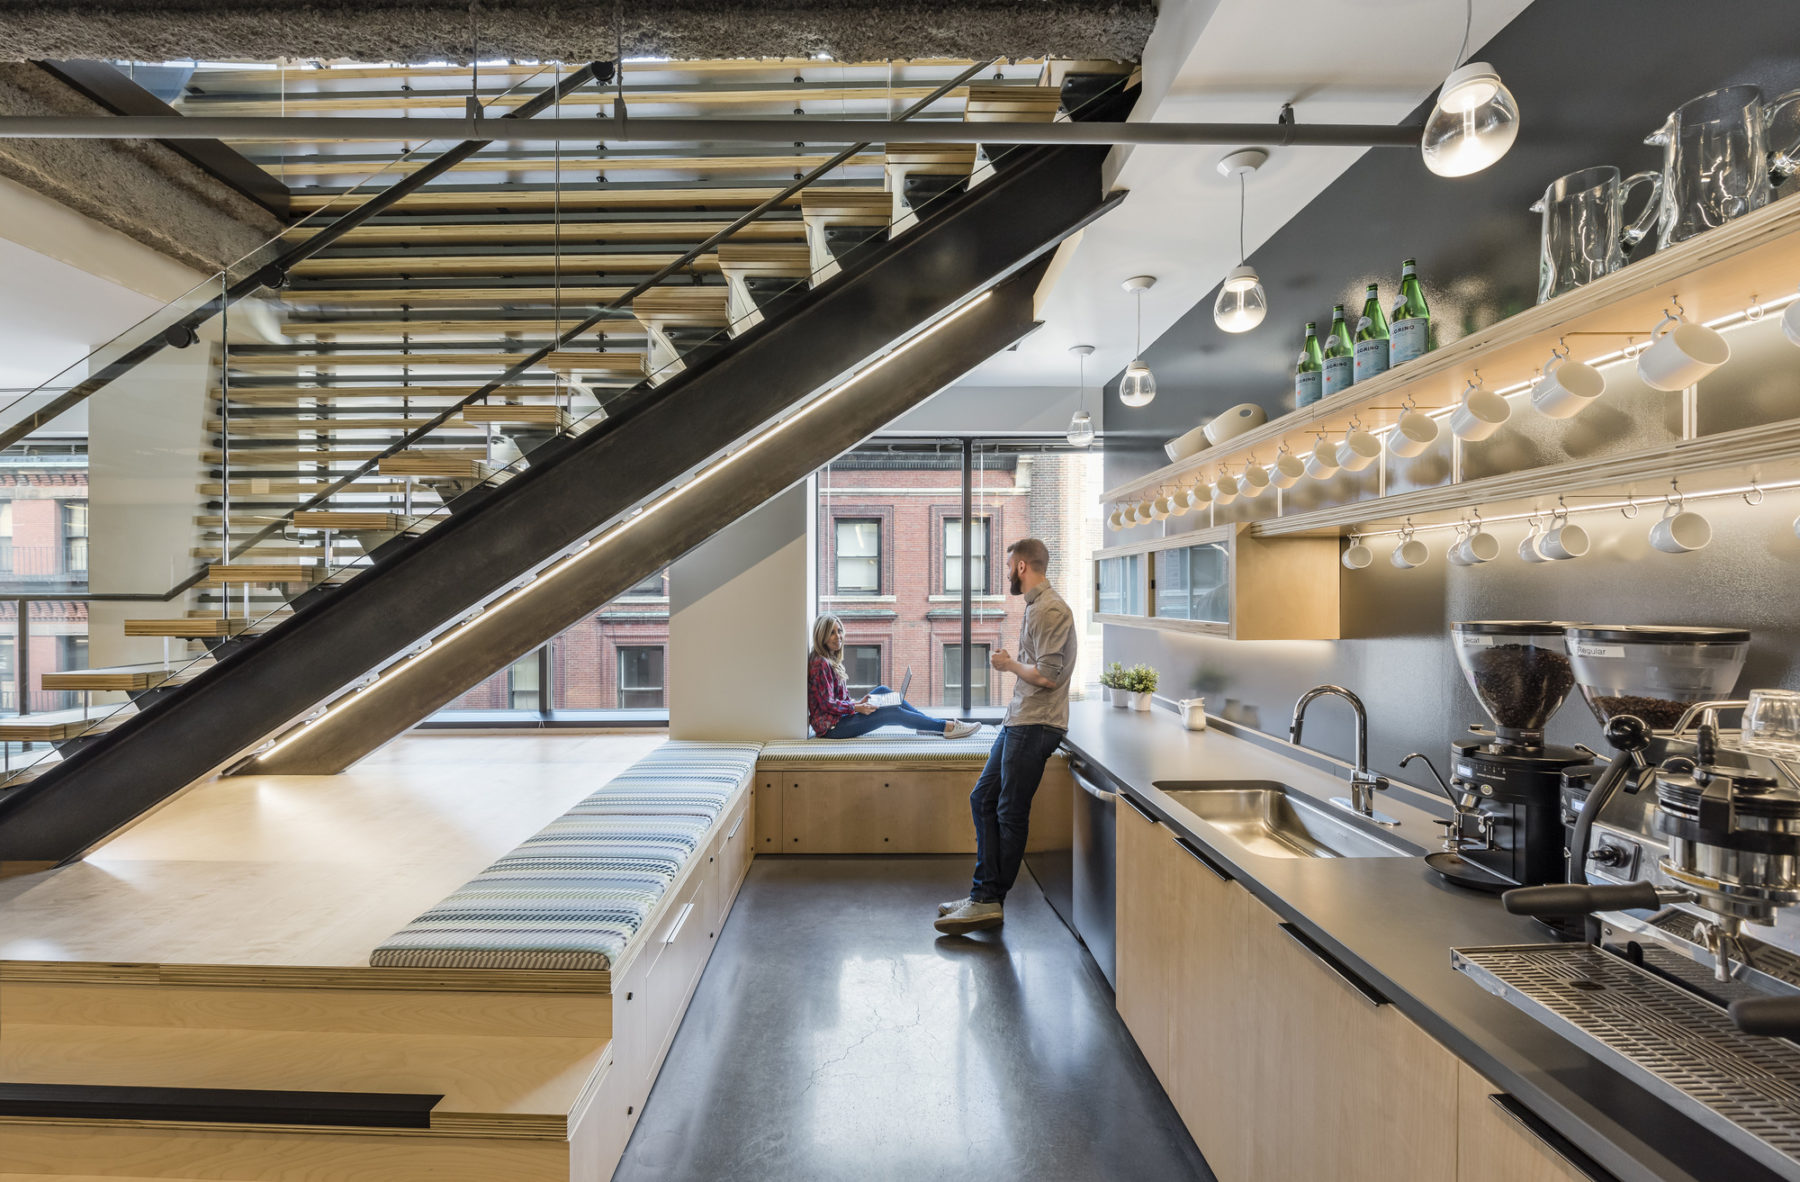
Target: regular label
[1371,358]
[1477,641]
[1585,649]
[1340,373]
[1308,388]
[1407,339]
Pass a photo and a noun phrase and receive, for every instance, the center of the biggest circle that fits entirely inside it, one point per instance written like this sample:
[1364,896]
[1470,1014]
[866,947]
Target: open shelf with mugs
[1222,581]
[1662,315]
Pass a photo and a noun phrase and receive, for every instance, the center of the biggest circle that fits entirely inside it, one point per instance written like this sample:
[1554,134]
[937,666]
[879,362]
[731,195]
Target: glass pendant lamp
[1138,386]
[1474,120]
[1081,427]
[1242,302]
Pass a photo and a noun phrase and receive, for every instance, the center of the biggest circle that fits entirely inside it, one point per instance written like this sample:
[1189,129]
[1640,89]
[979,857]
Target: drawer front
[681,941]
[736,850]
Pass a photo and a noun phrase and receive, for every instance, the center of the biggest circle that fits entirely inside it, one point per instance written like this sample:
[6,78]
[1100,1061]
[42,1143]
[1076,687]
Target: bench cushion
[887,752]
[575,894]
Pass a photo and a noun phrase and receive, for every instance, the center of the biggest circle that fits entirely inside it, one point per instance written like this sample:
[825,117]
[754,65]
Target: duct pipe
[634,130]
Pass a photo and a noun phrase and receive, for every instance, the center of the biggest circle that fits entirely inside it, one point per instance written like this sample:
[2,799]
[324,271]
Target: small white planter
[1139,701]
[1118,697]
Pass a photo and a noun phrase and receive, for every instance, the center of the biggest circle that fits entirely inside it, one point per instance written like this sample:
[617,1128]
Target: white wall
[740,612]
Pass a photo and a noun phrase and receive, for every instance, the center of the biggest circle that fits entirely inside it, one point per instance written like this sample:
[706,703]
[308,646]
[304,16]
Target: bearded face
[1013,583]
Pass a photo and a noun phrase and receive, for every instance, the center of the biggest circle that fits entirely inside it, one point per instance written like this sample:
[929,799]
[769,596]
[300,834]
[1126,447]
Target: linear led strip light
[637,517]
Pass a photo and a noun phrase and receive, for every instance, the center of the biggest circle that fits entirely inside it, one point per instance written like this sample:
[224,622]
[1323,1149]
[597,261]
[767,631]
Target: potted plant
[1113,682]
[1138,686]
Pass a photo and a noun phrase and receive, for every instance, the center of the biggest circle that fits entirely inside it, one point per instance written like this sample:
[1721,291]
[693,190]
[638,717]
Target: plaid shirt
[828,700]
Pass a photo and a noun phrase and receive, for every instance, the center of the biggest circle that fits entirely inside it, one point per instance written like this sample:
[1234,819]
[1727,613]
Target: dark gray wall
[1592,78]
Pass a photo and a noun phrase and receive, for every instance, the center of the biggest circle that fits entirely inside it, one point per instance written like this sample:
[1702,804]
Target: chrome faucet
[1364,784]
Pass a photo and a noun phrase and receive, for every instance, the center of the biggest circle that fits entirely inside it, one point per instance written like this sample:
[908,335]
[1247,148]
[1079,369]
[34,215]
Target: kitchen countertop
[1393,922]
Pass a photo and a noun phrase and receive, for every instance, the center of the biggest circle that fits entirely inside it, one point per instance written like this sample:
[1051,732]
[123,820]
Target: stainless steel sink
[1265,818]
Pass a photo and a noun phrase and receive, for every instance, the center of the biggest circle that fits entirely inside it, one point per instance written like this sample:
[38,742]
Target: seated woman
[832,713]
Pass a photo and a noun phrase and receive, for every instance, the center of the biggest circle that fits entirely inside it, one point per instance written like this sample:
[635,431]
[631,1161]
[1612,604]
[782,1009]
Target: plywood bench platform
[889,794]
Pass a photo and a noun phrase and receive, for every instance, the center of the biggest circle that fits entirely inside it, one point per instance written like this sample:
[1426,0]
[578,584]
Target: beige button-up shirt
[1047,640]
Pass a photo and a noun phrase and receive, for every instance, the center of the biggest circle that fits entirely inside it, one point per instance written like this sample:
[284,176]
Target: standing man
[1034,727]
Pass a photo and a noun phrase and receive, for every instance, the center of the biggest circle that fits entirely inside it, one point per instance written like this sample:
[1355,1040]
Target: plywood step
[427,295]
[57,726]
[549,199]
[201,627]
[568,262]
[357,521]
[452,232]
[332,395]
[281,362]
[447,466]
[533,415]
[220,574]
[123,678]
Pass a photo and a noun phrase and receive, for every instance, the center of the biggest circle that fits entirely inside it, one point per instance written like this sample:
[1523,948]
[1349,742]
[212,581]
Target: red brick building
[43,549]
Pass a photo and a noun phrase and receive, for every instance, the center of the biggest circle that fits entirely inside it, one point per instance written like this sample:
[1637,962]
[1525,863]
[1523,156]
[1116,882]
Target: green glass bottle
[1371,337]
[1410,334]
[1340,354]
[1309,371]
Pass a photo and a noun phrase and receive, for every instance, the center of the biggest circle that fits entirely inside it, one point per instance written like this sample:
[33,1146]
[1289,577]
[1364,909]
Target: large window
[889,529]
[75,538]
[862,667]
[525,682]
[640,677]
[858,556]
[978,675]
[978,555]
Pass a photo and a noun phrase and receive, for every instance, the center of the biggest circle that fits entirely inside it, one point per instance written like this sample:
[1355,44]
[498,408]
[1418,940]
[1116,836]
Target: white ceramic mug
[1412,434]
[1320,469]
[1528,547]
[1680,354]
[1479,416]
[1680,531]
[1116,520]
[1790,323]
[1225,490]
[1566,388]
[1478,547]
[1358,450]
[1455,556]
[1159,508]
[1409,553]
[1287,470]
[1254,480]
[1564,542]
[1357,556]
[1143,513]
[1199,496]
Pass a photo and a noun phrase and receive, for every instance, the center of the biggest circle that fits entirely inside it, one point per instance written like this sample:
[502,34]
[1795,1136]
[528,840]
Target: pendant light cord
[1468,23]
[1139,338]
[1242,198]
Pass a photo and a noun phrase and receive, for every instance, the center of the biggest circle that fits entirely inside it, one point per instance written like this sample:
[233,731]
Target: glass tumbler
[1772,723]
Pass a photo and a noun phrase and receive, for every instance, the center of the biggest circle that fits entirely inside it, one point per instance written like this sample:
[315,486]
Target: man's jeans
[1001,804]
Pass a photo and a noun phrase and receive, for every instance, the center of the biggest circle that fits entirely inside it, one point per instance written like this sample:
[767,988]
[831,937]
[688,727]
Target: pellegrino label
[1340,374]
[1371,358]
[1408,339]
[1308,388]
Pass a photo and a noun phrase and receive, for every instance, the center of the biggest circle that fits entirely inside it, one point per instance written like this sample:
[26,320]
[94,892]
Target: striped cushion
[878,751]
[575,894]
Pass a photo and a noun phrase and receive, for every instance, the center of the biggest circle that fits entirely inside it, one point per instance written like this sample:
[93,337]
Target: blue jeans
[1001,804]
[853,726]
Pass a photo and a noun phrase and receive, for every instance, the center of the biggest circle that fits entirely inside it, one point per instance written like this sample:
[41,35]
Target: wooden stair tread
[570,295]
[122,677]
[491,264]
[696,307]
[412,329]
[500,201]
[429,464]
[581,361]
[477,233]
[500,1085]
[352,519]
[745,261]
[53,726]
[932,157]
[219,574]
[583,166]
[847,206]
[285,427]
[281,361]
[539,414]
[284,395]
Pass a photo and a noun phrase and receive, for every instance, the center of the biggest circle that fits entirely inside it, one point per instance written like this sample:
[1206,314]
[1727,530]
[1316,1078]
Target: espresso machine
[1505,785]
[1684,856]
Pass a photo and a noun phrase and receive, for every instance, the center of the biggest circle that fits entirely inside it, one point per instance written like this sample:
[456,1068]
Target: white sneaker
[971,917]
[961,730]
[947,908]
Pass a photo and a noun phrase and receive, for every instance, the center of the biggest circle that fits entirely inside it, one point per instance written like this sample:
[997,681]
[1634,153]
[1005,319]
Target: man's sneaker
[947,908]
[961,730]
[971,917]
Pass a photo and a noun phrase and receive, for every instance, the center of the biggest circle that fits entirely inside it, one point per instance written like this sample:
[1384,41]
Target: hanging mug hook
[1629,509]
[1754,491]
[1674,499]
[1754,310]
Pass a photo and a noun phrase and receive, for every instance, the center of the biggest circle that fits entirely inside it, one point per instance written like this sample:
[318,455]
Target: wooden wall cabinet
[1222,581]
[1147,916]
[1496,1140]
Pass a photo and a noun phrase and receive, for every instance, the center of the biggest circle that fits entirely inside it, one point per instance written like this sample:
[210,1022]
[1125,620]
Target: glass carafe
[1585,234]
[1717,162]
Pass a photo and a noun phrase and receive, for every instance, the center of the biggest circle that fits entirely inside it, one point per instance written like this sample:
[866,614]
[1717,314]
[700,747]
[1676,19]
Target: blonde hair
[821,627]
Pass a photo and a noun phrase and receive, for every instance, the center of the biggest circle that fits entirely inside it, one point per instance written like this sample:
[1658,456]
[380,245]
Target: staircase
[357,502]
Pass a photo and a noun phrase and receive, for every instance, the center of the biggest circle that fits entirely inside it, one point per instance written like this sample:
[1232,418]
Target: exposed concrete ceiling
[1336,61]
[454,30]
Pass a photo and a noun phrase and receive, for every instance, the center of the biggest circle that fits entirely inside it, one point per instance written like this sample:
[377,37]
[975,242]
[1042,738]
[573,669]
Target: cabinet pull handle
[1139,809]
[1359,986]
[679,920]
[1193,851]
[739,825]
[1549,1138]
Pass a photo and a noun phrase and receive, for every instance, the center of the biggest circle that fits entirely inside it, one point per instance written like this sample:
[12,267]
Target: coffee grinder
[1505,782]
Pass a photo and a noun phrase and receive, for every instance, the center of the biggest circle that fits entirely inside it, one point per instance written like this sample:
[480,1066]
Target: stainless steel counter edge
[1392,923]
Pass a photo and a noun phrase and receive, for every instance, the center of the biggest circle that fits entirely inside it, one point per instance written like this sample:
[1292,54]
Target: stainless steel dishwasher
[1095,893]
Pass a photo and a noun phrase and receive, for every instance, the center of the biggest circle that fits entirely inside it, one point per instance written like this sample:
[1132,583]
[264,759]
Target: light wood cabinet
[1147,913]
[1222,581]
[1497,1140]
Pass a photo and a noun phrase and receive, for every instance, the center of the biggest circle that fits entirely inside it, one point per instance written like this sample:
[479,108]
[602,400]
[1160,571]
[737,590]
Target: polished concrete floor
[835,1036]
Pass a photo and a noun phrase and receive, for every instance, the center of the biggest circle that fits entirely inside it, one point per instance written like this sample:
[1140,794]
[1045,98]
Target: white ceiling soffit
[1336,61]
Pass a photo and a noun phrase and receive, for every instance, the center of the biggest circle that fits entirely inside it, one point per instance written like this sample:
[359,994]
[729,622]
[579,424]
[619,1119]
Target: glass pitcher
[1585,234]
[1717,163]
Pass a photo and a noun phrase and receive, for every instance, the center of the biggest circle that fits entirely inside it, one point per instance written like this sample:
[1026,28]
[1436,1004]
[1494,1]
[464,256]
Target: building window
[858,556]
[640,677]
[6,537]
[862,668]
[525,682]
[978,556]
[75,537]
[978,675]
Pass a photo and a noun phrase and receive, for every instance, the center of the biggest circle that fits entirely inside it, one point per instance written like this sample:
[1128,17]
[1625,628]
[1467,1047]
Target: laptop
[894,699]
